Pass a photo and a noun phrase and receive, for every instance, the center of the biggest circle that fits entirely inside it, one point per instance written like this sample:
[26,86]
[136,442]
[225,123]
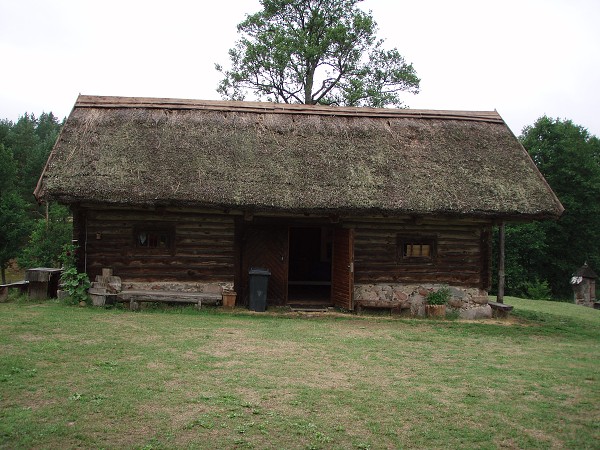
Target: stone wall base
[469,303]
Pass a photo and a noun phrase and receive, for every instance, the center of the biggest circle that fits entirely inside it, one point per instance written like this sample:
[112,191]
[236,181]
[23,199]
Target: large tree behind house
[315,52]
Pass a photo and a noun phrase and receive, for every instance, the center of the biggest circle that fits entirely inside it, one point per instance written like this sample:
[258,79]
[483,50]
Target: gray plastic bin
[259,284]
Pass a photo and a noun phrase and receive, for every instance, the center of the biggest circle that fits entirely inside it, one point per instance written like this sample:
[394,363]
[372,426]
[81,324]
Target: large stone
[417,305]
[476,313]
[385,292]
[368,295]
[455,303]
[479,299]
[400,296]
[457,293]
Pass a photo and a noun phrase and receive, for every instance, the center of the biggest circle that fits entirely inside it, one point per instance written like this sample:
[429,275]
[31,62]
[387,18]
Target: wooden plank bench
[21,285]
[360,305]
[500,309]
[136,297]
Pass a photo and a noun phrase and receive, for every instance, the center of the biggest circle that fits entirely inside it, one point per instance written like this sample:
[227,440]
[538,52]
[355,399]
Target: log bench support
[500,310]
[21,285]
[136,297]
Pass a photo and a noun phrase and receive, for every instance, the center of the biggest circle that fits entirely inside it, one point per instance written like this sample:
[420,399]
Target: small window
[416,248]
[159,238]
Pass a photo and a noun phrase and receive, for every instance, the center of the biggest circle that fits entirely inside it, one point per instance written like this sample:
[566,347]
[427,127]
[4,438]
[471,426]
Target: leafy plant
[47,239]
[439,297]
[74,283]
[538,290]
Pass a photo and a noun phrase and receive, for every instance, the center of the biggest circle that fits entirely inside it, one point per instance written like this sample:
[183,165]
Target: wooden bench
[136,297]
[21,285]
[360,305]
[500,309]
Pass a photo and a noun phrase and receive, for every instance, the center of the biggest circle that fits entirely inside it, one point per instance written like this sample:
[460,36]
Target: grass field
[109,378]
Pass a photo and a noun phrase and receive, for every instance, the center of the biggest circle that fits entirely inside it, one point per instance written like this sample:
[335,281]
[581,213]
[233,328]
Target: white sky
[524,58]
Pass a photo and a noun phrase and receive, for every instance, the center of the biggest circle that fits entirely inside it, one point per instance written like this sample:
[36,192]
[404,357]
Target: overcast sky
[524,58]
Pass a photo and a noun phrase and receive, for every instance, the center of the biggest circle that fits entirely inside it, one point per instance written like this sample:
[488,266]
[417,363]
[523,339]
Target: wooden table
[43,282]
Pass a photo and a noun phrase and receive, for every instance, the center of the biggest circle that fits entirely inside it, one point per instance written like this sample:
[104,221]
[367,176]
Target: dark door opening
[309,279]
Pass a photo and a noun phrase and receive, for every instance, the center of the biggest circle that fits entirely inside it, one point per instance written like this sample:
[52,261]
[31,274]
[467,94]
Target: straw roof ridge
[87,101]
[301,158]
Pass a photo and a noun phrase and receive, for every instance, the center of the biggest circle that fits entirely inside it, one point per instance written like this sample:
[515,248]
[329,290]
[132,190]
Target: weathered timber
[501,257]
[461,250]
[43,282]
[500,309]
[135,297]
[360,305]
[20,285]
[202,249]
[342,280]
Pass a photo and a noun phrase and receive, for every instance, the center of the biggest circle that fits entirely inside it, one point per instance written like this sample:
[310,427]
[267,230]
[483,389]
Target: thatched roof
[275,157]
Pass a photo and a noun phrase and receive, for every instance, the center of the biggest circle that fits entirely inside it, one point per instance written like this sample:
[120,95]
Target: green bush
[74,283]
[537,290]
[439,297]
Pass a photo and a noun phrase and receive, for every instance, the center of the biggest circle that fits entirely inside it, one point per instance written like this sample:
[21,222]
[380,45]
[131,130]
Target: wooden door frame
[241,278]
[342,267]
[279,272]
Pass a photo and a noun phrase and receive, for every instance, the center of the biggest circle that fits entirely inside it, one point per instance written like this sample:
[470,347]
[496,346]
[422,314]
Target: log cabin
[344,206]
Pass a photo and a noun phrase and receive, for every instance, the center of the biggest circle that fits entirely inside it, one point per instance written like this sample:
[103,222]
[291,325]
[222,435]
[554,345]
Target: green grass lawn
[109,378]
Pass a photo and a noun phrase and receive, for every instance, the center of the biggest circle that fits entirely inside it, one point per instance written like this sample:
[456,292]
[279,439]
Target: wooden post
[501,264]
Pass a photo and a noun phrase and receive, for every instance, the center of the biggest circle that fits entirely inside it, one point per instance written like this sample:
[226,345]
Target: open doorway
[309,278]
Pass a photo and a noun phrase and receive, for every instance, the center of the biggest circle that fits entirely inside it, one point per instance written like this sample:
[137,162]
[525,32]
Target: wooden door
[267,247]
[342,271]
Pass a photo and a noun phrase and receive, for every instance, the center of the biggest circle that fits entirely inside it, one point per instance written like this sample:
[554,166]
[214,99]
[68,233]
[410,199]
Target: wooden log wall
[203,249]
[462,253]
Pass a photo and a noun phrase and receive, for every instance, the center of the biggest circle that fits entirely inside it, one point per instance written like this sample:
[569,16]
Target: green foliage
[315,51]
[74,283]
[538,290]
[31,141]
[24,149]
[15,226]
[569,159]
[439,297]
[48,238]
[67,255]
[8,169]
[526,250]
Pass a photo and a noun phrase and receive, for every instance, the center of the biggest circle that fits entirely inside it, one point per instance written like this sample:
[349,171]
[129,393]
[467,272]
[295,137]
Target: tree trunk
[310,81]
[3,270]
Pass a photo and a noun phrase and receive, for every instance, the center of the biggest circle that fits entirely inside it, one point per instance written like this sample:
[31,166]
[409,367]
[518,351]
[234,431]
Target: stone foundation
[470,303]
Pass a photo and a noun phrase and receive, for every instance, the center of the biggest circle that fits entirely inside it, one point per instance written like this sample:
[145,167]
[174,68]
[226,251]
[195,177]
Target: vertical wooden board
[237,262]
[267,247]
[486,258]
[342,276]
[79,234]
